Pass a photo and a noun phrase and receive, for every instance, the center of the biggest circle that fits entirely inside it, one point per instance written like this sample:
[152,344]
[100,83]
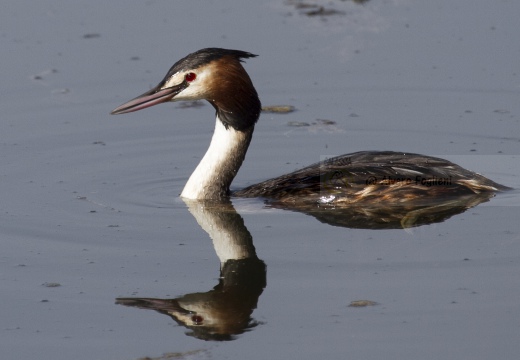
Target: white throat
[219,166]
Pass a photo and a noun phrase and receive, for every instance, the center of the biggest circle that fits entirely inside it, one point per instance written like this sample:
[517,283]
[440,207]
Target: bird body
[217,75]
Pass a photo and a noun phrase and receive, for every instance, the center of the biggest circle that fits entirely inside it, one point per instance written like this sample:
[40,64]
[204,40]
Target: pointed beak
[153,97]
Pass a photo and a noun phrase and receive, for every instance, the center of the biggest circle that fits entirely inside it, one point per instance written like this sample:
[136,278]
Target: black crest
[205,56]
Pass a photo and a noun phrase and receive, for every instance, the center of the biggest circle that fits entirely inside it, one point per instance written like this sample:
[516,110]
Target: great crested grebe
[217,76]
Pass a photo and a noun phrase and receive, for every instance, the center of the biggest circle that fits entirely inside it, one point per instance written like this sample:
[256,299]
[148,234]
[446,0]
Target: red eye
[190,77]
[197,319]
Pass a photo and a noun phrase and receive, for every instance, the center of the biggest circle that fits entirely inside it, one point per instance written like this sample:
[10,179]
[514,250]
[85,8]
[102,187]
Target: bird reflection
[395,216]
[225,311]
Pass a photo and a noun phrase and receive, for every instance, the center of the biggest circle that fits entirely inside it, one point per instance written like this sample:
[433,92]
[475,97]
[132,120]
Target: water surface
[90,201]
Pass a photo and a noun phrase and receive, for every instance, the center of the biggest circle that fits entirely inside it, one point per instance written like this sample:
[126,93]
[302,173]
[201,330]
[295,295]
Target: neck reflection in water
[225,311]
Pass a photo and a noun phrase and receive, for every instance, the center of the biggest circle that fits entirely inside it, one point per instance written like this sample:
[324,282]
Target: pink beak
[150,98]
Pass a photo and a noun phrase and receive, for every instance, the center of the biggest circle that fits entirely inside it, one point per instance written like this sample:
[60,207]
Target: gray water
[90,201]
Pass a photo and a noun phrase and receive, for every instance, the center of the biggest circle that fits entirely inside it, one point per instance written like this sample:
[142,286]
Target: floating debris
[298,123]
[91,36]
[362,303]
[51,284]
[313,9]
[325,122]
[321,11]
[279,109]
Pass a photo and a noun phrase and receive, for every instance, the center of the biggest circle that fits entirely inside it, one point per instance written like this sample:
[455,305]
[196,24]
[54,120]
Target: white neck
[219,166]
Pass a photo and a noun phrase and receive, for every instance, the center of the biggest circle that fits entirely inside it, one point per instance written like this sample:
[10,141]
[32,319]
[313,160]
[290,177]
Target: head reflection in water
[221,313]
[225,311]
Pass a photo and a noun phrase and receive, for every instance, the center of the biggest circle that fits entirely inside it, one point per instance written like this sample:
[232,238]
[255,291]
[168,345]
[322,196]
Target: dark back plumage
[371,177]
